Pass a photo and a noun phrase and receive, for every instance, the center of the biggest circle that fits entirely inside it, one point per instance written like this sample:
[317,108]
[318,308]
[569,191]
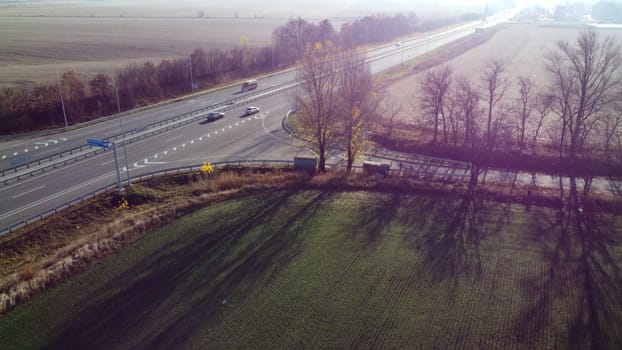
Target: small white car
[251,110]
[214,115]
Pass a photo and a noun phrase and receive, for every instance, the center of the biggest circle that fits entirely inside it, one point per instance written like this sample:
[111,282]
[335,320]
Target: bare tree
[316,99]
[544,105]
[434,88]
[358,102]
[467,99]
[523,109]
[495,85]
[453,118]
[391,109]
[584,77]
[612,124]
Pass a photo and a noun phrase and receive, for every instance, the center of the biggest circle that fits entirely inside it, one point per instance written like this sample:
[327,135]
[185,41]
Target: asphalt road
[235,137]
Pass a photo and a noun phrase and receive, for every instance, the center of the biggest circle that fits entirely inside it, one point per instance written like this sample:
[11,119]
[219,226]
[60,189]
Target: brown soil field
[521,46]
[92,45]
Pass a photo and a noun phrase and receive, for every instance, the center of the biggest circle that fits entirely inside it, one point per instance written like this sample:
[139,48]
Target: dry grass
[37,257]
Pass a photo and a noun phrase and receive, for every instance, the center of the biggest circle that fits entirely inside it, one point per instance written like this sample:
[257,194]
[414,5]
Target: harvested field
[92,45]
[521,46]
[323,269]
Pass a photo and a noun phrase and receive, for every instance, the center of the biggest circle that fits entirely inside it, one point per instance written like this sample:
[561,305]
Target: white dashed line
[27,192]
[3,157]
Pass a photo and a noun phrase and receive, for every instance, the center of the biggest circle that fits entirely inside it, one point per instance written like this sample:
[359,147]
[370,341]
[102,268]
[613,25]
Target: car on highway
[214,115]
[251,110]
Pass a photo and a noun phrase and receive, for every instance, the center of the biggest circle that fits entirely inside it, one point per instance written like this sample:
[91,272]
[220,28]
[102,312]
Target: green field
[324,270]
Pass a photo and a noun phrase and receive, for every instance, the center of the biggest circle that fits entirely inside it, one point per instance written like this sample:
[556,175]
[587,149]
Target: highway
[235,137]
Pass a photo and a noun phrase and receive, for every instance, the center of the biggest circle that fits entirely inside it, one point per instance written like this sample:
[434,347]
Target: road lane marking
[173,138]
[54,196]
[27,192]
[3,157]
[111,161]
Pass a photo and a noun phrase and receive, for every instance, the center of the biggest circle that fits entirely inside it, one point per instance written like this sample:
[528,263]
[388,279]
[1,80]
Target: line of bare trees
[24,109]
[39,107]
[579,110]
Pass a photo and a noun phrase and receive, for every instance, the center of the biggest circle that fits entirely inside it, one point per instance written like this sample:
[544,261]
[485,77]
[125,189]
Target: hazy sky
[312,9]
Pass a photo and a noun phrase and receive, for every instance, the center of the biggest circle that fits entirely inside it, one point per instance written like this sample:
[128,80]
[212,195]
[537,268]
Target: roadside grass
[40,255]
[434,58]
[323,268]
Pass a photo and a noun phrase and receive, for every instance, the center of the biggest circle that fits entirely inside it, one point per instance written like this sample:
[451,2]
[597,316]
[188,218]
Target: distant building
[607,11]
[571,12]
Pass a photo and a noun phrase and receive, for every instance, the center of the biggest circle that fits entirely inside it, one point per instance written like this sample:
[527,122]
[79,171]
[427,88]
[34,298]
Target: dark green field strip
[321,269]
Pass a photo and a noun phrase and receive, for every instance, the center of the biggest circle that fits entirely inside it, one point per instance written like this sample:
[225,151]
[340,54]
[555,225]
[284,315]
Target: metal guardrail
[151,175]
[186,117]
[149,130]
[425,173]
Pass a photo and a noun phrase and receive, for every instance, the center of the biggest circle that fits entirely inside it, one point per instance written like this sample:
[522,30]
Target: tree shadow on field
[174,292]
[377,216]
[584,277]
[451,239]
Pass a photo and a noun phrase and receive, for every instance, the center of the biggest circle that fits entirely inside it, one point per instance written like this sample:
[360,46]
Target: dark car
[214,115]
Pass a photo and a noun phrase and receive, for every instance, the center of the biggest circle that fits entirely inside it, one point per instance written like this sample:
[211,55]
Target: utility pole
[273,57]
[191,79]
[116,163]
[60,93]
[127,168]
